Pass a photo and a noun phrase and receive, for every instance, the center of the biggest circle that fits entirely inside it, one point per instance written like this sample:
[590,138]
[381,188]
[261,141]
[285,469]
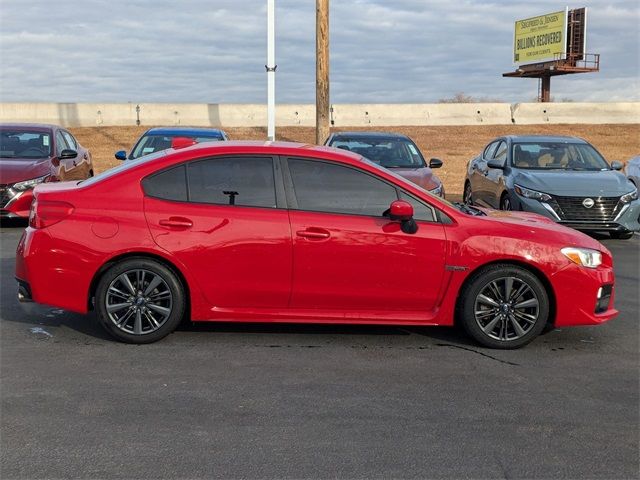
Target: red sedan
[282,232]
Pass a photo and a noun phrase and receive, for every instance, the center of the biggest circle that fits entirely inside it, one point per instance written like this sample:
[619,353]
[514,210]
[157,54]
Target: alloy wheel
[138,301]
[506,308]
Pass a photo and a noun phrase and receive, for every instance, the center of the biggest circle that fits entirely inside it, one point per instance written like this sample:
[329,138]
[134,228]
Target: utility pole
[322,71]
[271,71]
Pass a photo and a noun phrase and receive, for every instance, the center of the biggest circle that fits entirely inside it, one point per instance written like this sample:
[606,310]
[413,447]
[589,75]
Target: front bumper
[628,219]
[581,295]
[18,206]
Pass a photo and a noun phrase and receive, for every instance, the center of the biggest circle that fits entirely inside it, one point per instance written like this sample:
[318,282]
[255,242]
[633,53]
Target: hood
[605,183]
[545,226]
[13,170]
[423,177]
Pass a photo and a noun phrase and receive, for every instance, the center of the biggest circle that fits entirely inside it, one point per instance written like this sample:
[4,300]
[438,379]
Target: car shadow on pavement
[438,335]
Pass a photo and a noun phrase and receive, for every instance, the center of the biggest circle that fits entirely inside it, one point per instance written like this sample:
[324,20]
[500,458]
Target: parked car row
[563,178]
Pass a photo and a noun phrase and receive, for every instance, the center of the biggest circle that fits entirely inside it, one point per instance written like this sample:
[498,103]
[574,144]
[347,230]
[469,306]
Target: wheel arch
[144,255]
[510,262]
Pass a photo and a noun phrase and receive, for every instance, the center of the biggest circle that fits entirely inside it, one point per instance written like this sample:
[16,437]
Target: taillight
[45,213]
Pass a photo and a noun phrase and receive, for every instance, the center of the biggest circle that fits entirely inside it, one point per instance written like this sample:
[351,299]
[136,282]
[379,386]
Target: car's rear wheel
[625,235]
[504,306]
[467,196]
[139,300]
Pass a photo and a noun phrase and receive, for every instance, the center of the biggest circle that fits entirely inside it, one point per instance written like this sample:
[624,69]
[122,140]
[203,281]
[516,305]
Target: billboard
[540,39]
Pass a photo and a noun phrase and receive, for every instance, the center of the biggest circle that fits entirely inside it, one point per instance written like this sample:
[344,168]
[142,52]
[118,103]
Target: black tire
[467,196]
[475,312]
[505,202]
[626,235]
[155,316]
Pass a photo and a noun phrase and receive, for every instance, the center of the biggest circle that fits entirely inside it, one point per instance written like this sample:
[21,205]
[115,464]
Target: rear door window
[501,151]
[61,143]
[489,151]
[71,142]
[242,181]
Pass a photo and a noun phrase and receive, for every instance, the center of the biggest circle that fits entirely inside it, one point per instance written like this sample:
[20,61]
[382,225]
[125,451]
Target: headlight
[527,193]
[27,184]
[437,191]
[585,257]
[629,197]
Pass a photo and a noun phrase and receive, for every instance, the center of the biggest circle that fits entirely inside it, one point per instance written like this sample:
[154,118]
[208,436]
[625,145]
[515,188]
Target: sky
[214,51]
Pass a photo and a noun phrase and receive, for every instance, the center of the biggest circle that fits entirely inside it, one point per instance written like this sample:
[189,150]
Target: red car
[283,232]
[31,154]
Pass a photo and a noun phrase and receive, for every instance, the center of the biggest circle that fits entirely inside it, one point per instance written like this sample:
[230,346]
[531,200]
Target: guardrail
[342,115]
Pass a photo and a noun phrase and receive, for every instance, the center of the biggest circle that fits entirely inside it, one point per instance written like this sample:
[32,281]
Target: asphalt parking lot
[256,401]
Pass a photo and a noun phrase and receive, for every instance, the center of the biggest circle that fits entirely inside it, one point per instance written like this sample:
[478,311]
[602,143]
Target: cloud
[381,51]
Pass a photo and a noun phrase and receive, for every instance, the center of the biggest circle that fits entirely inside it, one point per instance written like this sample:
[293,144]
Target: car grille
[571,209]
[4,195]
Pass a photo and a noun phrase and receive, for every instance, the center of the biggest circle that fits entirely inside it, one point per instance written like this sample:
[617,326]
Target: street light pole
[322,71]
[271,72]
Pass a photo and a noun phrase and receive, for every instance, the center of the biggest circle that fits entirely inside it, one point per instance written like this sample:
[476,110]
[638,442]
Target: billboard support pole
[545,92]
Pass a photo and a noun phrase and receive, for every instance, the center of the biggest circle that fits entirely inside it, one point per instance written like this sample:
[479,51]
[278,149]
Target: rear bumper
[45,277]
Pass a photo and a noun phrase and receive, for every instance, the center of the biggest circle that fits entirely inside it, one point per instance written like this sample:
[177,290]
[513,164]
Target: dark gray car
[563,178]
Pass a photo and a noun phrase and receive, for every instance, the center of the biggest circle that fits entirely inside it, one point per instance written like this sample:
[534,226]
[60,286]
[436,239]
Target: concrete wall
[344,115]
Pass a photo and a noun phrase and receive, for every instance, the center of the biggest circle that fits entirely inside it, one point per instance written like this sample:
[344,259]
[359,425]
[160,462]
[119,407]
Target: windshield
[388,152]
[557,156]
[24,144]
[155,143]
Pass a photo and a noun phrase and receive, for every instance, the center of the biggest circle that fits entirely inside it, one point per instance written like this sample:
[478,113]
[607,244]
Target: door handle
[314,233]
[176,222]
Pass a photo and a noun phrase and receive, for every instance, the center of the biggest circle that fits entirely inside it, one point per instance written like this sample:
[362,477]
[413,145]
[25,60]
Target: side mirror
[121,155]
[616,165]
[403,211]
[435,163]
[67,153]
[493,163]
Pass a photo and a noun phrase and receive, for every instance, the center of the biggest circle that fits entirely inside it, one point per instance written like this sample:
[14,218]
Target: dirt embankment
[454,145]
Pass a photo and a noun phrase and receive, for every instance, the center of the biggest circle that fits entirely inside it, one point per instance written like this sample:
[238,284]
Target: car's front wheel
[467,196]
[139,300]
[504,306]
[505,202]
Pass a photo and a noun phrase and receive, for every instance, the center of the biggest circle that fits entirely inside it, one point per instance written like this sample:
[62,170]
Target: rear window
[123,167]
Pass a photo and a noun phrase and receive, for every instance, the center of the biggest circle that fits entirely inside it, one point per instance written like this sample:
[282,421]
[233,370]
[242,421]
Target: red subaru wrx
[283,232]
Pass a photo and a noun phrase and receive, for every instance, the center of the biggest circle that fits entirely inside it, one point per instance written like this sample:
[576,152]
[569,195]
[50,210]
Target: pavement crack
[506,362]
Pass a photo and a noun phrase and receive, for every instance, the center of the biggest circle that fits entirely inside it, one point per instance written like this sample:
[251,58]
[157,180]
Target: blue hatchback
[157,139]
